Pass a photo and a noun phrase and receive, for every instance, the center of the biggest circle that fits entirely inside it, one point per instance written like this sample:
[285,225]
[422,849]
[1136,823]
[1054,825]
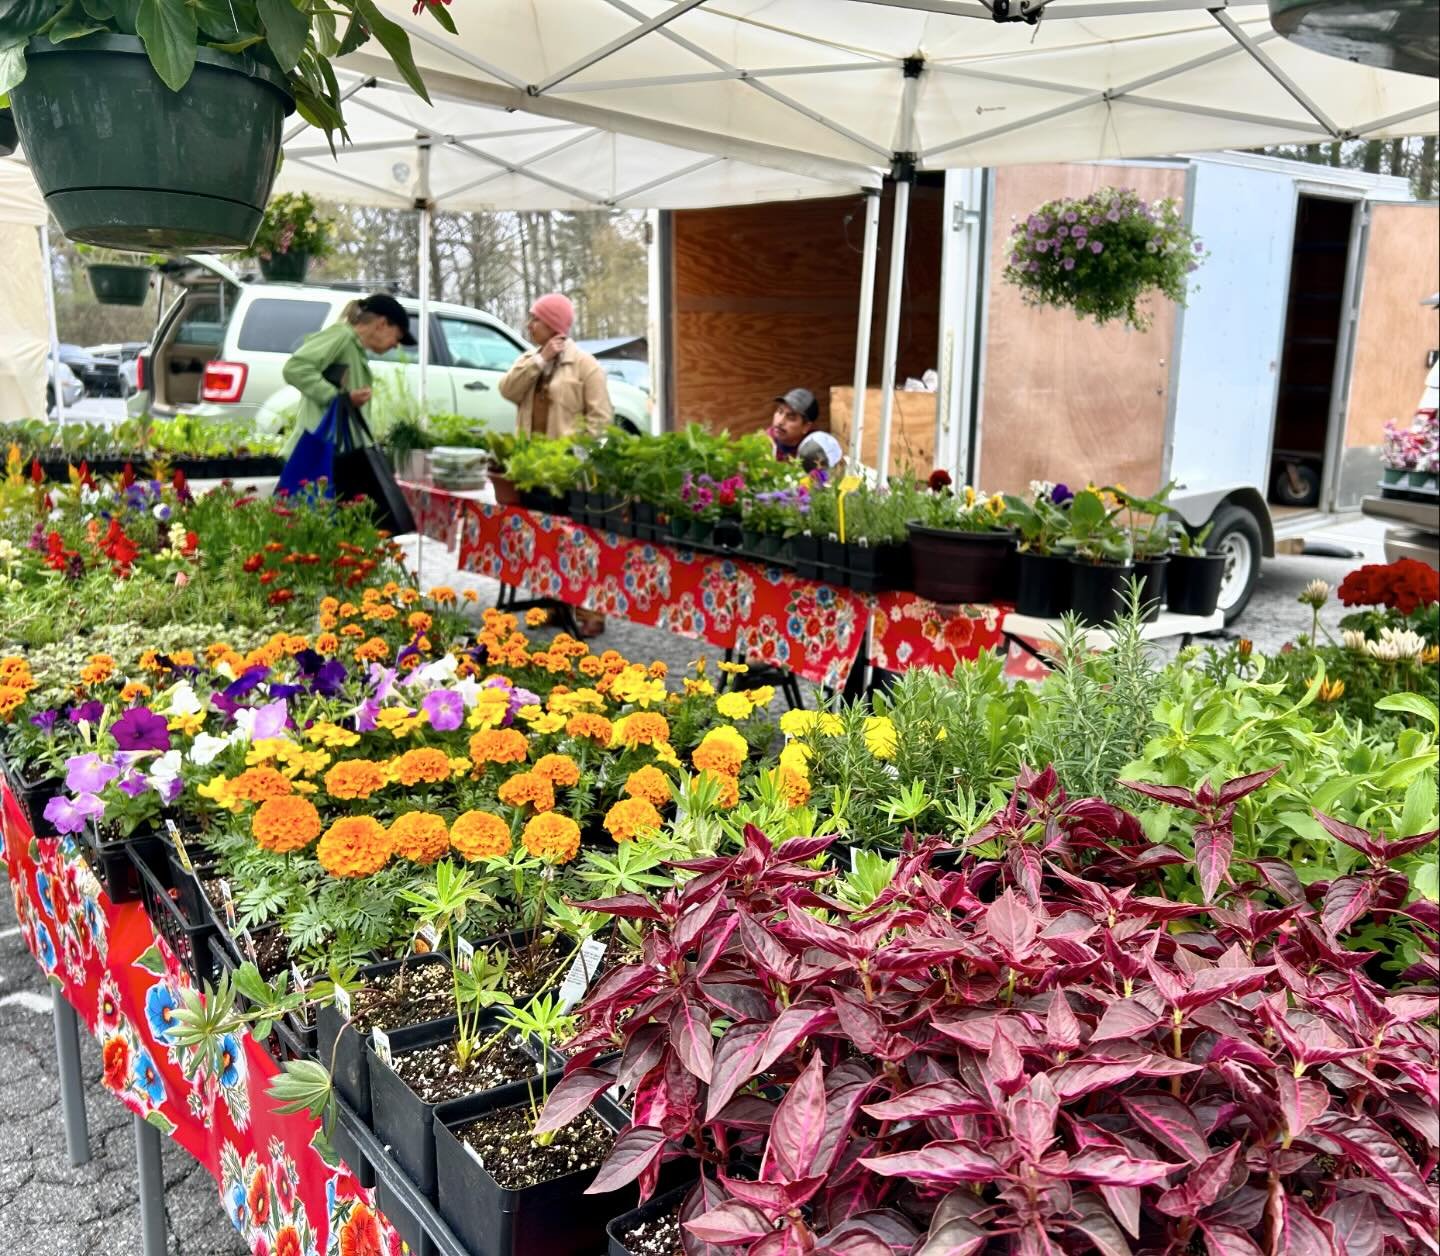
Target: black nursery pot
[1152,574]
[115,868]
[555,1218]
[575,505]
[1098,591]
[1042,585]
[953,567]
[659,1206]
[407,1224]
[727,534]
[338,1041]
[833,558]
[872,568]
[34,797]
[1193,583]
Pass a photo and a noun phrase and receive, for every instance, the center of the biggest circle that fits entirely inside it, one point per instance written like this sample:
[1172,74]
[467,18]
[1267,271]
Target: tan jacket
[578,396]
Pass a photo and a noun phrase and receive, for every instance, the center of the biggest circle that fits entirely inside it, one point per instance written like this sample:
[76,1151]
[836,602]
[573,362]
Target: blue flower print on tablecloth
[578,554]
[727,592]
[818,617]
[161,1003]
[517,541]
[763,642]
[608,598]
[647,575]
[42,888]
[147,1079]
[45,945]
[683,616]
[228,1066]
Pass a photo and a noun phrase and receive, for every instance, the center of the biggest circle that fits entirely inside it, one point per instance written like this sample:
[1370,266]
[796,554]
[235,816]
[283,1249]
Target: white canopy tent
[845,88]
[27,319]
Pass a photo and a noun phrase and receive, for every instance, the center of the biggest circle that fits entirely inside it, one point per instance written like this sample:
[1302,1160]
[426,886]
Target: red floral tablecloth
[281,1195]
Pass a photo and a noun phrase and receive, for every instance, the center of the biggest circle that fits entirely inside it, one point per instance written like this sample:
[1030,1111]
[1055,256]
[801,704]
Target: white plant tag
[464,955]
[427,939]
[229,902]
[342,1001]
[381,1042]
[297,979]
[582,972]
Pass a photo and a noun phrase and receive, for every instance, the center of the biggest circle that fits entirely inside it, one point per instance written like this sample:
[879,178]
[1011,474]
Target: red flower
[192,541]
[119,548]
[958,632]
[257,1199]
[116,1057]
[253,563]
[287,1243]
[361,1234]
[268,577]
[285,1193]
[127,476]
[1405,586]
[273,547]
[262,1248]
[280,596]
[939,480]
[37,472]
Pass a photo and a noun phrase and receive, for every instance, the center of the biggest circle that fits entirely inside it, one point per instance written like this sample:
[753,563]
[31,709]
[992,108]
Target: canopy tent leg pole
[898,227]
[426,223]
[54,330]
[864,322]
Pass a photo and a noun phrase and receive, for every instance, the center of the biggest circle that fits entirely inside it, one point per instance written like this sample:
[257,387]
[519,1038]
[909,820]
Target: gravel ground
[50,1209]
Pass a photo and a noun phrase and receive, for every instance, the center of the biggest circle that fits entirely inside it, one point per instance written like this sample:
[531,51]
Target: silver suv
[222,344]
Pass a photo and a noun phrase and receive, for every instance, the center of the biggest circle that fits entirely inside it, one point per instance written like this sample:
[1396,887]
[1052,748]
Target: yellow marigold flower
[702,688]
[537,617]
[480,835]
[183,658]
[721,750]
[419,836]
[527,788]
[763,696]
[649,783]
[264,750]
[189,724]
[329,604]
[218,791]
[880,738]
[352,631]
[327,643]
[328,734]
[492,704]
[734,705]
[498,745]
[399,721]
[258,784]
[795,757]
[418,621]
[734,669]
[798,722]
[634,686]
[216,650]
[547,723]
[295,643]
[98,670]
[348,610]
[423,764]
[326,621]
[354,846]
[281,825]
[11,699]
[589,725]
[665,753]
[642,728]
[355,778]
[442,595]
[552,837]
[631,818]
[558,769]
[150,661]
[409,596]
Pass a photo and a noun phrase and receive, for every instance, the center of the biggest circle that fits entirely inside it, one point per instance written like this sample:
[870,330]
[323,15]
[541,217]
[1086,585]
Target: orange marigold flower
[135,689]
[355,778]
[373,651]
[552,837]
[537,617]
[259,783]
[327,643]
[591,666]
[352,630]
[558,769]
[498,745]
[422,764]
[527,787]
[418,621]
[596,727]
[631,818]
[643,728]
[99,669]
[442,595]
[658,670]
[285,824]
[329,604]
[794,787]
[420,836]
[729,789]
[354,846]
[649,783]
[480,835]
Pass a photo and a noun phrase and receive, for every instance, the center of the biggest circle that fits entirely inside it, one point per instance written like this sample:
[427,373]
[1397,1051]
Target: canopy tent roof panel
[465,156]
[854,82]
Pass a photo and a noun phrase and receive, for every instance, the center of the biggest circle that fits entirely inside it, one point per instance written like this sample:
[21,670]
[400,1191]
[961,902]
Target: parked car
[71,390]
[100,375]
[127,354]
[221,348]
[630,371]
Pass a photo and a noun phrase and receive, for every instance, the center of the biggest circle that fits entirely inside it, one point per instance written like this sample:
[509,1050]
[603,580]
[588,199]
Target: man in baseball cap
[794,433]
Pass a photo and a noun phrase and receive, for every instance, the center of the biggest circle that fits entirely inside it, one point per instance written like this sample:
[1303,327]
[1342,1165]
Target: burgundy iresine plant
[1038,1055]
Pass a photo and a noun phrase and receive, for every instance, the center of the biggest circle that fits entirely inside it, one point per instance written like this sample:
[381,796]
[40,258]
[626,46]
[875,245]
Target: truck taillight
[223,381]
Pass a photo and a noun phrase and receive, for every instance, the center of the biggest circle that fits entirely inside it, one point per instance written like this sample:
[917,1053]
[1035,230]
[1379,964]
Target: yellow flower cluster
[293,759]
[721,750]
[800,723]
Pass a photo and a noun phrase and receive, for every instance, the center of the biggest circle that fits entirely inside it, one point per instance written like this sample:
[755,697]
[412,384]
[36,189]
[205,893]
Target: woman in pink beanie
[556,388]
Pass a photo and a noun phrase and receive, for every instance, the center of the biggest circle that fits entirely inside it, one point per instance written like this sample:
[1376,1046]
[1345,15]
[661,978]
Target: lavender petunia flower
[445,709]
[382,681]
[88,773]
[366,715]
[69,815]
[134,785]
[141,729]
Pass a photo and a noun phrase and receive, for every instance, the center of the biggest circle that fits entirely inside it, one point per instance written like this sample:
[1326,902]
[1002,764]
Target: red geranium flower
[280,596]
[1405,586]
[253,563]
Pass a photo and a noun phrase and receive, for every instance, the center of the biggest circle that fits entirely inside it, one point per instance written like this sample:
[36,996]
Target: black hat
[388,308]
[803,402]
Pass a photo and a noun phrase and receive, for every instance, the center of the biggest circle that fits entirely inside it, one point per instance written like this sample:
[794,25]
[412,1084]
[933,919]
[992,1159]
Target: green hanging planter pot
[1387,34]
[9,136]
[119,285]
[285,267]
[126,163]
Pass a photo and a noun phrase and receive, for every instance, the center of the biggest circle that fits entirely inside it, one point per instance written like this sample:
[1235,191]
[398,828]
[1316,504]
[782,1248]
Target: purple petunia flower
[88,773]
[445,708]
[246,682]
[45,720]
[86,712]
[134,784]
[329,677]
[1068,263]
[141,729]
[68,815]
[366,715]
[1096,246]
[286,691]
[382,681]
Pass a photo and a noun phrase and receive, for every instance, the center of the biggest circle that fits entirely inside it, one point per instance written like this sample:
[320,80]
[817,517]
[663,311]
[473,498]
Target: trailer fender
[1197,507]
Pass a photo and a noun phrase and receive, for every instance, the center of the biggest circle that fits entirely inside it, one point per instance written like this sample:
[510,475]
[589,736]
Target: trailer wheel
[1236,536]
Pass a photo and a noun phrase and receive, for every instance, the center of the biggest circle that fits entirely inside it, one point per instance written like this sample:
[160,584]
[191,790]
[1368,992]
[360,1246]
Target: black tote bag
[362,470]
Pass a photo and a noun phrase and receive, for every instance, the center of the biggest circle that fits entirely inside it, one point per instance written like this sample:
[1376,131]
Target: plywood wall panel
[766,299]
[1066,400]
[912,428]
[1395,332]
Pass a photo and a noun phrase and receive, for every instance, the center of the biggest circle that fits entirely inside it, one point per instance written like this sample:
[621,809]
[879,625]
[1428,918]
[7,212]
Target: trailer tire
[1236,534]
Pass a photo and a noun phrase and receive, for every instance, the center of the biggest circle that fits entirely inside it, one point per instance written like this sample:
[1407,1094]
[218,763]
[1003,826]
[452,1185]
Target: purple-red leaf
[1357,839]
[1301,1100]
[574,1093]
[736,1061]
[798,1127]
[945,1098]
[730,1223]
[1175,795]
[1237,787]
[1062,1029]
[1356,1226]
[1226,1240]
[1117,1169]
[690,1036]
[1202,1186]
[633,906]
[633,1152]
[1125,1018]
[1346,901]
[947,1163]
[1011,924]
[1097,1225]
[1214,844]
[1169,1121]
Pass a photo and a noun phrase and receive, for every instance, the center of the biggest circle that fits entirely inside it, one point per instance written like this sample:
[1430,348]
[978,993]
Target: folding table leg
[72,1084]
[151,1177]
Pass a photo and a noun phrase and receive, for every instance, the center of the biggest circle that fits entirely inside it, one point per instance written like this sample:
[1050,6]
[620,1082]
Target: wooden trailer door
[1228,339]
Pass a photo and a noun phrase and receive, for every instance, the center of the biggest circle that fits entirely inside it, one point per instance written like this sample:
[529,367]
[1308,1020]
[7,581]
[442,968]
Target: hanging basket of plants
[292,235]
[144,136]
[1102,255]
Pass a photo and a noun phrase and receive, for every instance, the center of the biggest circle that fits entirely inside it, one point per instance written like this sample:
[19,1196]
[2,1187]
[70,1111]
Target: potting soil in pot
[435,1075]
[504,1144]
[410,995]
[656,1236]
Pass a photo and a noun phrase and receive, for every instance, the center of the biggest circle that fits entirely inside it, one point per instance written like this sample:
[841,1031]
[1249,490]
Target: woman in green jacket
[335,359]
